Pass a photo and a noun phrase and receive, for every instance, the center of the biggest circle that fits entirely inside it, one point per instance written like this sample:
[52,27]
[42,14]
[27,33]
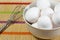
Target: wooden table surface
[18,30]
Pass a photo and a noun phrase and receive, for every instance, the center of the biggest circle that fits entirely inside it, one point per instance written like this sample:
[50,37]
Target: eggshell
[56,19]
[57,8]
[34,25]
[42,4]
[44,22]
[32,14]
[47,12]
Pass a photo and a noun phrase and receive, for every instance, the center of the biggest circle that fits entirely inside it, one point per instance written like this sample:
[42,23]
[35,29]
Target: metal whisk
[13,17]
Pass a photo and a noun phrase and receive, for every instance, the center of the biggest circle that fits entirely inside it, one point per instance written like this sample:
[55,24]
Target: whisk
[13,17]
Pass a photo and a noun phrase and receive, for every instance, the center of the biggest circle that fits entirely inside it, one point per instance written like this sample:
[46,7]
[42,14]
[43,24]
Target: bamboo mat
[18,30]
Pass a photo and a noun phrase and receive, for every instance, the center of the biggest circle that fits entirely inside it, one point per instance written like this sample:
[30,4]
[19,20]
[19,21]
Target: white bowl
[40,33]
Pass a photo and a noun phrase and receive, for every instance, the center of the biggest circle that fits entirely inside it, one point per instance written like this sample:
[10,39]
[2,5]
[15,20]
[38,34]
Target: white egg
[44,22]
[47,12]
[57,8]
[32,14]
[56,19]
[34,25]
[42,4]
[53,3]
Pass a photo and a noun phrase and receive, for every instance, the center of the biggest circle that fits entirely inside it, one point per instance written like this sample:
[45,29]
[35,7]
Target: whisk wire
[13,16]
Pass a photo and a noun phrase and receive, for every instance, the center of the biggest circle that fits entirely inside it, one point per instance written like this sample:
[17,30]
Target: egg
[56,19]
[44,22]
[53,3]
[42,4]
[34,25]
[47,12]
[32,14]
[57,8]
